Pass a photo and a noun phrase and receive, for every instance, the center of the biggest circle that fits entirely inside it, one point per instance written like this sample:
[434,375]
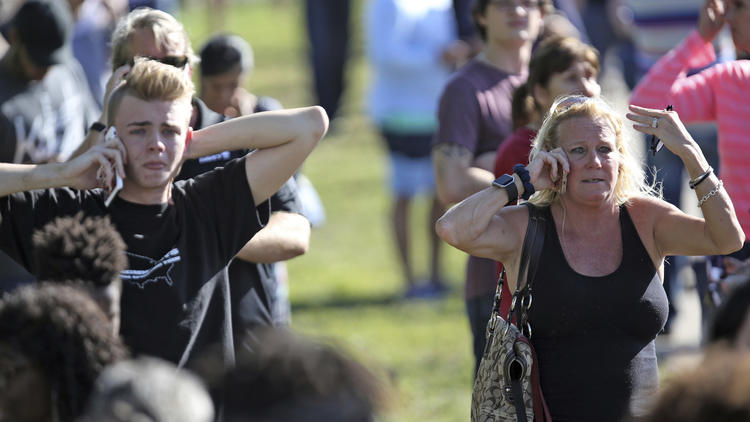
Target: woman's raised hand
[548,169]
[665,125]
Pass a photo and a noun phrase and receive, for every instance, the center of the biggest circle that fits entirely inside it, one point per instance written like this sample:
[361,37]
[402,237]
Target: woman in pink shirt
[718,94]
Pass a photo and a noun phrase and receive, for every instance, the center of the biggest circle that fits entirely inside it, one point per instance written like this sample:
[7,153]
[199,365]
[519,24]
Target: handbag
[507,385]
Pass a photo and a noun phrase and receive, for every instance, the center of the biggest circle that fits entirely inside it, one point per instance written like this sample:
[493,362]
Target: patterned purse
[507,385]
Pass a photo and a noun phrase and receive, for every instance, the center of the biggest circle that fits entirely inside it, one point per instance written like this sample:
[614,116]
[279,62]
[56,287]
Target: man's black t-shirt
[175,292]
[252,285]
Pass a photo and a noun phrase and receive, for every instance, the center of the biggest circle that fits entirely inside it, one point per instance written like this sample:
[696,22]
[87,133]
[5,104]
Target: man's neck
[510,58]
[143,196]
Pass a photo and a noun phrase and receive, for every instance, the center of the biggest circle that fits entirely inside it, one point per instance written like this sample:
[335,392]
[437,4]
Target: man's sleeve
[221,201]
[458,115]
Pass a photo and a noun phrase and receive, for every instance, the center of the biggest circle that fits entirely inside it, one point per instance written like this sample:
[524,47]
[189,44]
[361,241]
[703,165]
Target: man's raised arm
[283,139]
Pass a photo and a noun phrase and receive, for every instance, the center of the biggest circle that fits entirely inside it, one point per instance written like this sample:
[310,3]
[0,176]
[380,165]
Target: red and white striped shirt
[720,93]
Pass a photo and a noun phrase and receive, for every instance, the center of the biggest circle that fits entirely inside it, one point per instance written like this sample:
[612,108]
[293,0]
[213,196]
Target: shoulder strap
[532,247]
[530,255]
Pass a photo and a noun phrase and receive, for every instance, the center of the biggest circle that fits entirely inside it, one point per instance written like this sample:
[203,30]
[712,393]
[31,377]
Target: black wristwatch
[97,126]
[508,183]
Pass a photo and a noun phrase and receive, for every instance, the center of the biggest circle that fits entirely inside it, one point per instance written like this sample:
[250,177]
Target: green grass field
[347,288]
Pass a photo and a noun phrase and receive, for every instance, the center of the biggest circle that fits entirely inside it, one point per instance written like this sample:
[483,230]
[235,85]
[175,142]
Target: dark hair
[717,390]
[78,248]
[731,314]
[148,389]
[553,55]
[293,379]
[64,333]
[480,7]
[223,53]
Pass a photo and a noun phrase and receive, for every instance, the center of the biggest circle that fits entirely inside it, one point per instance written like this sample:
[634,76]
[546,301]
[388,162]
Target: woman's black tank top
[594,336]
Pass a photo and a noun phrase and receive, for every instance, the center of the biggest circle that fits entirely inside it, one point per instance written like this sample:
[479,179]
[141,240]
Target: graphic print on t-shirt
[144,270]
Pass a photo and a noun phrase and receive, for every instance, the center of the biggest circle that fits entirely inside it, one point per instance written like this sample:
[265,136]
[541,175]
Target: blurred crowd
[175,307]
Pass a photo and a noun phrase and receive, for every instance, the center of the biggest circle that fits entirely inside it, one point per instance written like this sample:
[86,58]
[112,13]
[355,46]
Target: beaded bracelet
[713,192]
[523,174]
[697,181]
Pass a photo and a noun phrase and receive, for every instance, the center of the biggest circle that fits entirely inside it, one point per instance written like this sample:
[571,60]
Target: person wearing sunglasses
[598,300]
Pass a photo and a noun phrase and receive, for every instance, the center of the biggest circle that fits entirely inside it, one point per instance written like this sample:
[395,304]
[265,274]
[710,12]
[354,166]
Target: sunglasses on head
[176,61]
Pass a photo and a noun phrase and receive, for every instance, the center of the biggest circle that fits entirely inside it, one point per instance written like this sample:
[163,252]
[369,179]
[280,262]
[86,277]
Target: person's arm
[91,170]
[456,176]
[282,139]
[285,236]
[676,233]
[481,225]
[667,82]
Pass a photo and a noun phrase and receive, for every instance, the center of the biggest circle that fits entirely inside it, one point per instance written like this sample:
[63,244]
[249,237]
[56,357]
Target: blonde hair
[168,34]
[630,175]
[150,80]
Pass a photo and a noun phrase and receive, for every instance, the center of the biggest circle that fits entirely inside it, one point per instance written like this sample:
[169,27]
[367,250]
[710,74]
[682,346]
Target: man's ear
[480,18]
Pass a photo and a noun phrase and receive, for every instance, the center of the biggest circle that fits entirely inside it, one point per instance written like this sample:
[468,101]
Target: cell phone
[113,190]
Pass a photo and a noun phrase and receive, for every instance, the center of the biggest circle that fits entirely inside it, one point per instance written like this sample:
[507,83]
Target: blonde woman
[598,302]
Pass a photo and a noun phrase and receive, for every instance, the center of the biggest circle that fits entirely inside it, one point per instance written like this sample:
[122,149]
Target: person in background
[94,22]
[711,95]
[225,67]
[147,389]
[598,303]
[716,390]
[46,104]
[88,252]
[473,118]
[327,23]
[54,342]
[412,50]
[731,322]
[293,378]
[559,66]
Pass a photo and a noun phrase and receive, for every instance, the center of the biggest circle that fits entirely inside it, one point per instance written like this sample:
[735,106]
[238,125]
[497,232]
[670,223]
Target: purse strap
[531,252]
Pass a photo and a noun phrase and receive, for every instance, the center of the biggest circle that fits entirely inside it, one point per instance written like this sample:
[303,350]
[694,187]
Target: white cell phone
[115,189]
[112,134]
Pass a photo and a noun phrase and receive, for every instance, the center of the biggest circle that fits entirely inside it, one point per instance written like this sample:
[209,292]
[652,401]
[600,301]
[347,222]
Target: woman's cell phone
[115,187]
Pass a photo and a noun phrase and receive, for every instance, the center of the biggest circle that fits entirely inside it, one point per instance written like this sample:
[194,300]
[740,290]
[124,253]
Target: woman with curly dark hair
[54,342]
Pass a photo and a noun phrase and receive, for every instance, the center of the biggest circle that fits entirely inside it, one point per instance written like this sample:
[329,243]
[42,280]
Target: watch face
[504,180]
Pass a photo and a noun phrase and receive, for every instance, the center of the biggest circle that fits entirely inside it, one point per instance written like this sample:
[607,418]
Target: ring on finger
[655,122]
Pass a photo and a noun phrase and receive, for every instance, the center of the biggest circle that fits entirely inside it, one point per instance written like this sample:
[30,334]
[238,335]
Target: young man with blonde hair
[158,35]
[180,236]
